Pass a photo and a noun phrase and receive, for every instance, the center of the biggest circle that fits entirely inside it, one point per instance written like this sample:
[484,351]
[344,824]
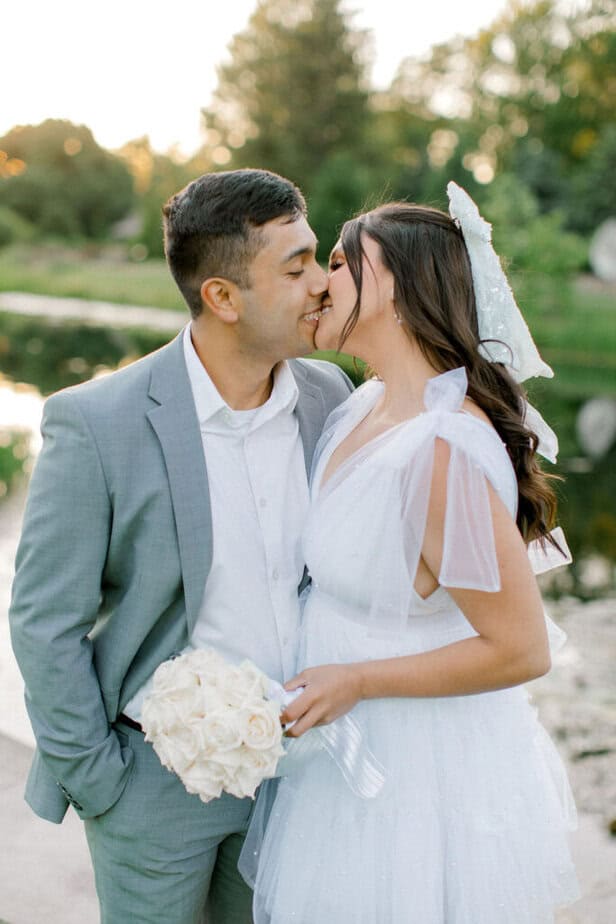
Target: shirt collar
[209,402]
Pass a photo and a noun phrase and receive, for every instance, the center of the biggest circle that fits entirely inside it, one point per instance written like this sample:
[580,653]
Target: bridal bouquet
[215,724]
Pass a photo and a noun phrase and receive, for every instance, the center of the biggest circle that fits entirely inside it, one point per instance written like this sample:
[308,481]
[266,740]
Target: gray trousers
[161,856]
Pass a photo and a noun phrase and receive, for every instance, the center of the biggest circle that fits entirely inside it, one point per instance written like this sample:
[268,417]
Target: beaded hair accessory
[505,337]
[503,332]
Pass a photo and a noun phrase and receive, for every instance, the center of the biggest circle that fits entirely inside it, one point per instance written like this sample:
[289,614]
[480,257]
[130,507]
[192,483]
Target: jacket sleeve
[56,598]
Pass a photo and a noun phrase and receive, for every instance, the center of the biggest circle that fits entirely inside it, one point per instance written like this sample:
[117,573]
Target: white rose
[254,767]
[220,731]
[184,746]
[169,708]
[204,779]
[253,677]
[239,686]
[205,661]
[243,784]
[261,728]
[154,717]
[175,674]
[214,699]
[175,698]
[163,746]
[229,759]
[159,714]
[262,762]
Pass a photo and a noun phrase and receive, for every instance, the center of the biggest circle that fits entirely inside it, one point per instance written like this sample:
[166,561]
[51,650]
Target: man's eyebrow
[301,252]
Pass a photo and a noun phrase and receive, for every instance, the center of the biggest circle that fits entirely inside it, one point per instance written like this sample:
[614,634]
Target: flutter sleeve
[469,552]
[476,464]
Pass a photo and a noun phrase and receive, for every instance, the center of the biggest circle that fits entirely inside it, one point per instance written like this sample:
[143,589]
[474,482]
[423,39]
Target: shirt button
[275,574]
[262,502]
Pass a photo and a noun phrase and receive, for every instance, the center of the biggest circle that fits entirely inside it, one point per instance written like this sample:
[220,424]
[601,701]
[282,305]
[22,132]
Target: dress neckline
[355,422]
[320,487]
[443,392]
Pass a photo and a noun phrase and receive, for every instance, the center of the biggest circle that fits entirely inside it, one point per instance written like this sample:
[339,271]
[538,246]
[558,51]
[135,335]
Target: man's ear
[222,297]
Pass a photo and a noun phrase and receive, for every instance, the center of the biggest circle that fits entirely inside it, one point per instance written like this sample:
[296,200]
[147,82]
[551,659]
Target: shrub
[13,228]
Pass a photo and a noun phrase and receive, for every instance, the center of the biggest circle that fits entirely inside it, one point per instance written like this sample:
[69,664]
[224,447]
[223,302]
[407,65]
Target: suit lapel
[175,423]
[174,420]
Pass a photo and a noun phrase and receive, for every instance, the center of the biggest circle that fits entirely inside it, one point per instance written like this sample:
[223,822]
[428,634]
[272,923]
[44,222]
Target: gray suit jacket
[114,556]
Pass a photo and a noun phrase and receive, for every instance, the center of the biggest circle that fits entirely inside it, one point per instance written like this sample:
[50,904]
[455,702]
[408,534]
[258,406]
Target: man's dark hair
[212,226]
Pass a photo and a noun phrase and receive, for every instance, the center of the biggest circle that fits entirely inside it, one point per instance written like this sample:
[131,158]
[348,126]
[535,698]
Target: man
[164,512]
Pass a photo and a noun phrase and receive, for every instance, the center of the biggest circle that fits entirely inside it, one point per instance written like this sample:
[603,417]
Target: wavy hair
[433,291]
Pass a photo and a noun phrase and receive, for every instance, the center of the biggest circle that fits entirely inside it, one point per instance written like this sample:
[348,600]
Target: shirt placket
[269,504]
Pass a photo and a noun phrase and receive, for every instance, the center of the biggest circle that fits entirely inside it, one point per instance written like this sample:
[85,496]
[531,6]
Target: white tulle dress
[469,823]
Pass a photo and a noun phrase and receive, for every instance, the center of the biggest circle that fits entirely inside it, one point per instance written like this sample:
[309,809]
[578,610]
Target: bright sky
[128,68]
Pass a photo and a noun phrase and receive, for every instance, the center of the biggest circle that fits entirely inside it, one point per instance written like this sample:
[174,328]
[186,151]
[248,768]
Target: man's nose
[320,281]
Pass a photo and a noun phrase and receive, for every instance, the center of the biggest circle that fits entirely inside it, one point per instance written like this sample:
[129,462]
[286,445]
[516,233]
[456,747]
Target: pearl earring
[396,314]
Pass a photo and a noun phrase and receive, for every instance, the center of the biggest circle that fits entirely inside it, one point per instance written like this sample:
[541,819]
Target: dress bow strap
[446,392]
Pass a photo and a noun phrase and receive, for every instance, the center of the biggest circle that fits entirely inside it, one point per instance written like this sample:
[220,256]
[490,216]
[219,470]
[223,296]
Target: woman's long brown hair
[433,291]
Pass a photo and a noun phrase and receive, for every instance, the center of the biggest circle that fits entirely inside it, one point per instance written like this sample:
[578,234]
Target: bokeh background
[357,103]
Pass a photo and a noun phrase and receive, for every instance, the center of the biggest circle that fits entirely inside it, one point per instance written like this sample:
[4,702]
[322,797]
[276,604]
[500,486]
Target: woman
[424,616]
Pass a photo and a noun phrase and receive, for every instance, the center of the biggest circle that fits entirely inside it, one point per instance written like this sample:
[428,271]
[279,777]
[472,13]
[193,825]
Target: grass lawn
[93,273]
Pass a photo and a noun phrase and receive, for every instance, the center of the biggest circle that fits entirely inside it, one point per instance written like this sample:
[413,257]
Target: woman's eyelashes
[334,265]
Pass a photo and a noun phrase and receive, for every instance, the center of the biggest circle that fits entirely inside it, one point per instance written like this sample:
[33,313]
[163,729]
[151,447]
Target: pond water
[38,357]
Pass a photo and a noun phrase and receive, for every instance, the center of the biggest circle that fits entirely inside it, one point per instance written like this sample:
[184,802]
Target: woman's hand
[330,691]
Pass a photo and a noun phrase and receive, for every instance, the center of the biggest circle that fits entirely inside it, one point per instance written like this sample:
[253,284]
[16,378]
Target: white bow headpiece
[502,329]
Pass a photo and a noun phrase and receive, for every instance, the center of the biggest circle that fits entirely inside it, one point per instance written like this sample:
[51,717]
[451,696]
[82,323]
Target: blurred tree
[293,94]
[59,179]
[156,177]
[531,94]
[595,187]
[540,255]
[548,78]
[342,187]
[13,227]
[421,152]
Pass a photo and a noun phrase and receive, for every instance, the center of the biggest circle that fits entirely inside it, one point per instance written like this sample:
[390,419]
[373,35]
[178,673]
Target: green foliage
[57,177]
[532,95]
[13,227]
[340,189]
[293,94]
[540,255]
[531,240]
[53,356]
[156,178]
[106,274]
[14,455]
[595,186]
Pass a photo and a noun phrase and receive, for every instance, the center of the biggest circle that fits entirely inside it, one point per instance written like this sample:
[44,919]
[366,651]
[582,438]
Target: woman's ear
[222,298]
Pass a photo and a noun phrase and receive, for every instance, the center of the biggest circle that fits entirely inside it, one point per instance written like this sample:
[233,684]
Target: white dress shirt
[259,499]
